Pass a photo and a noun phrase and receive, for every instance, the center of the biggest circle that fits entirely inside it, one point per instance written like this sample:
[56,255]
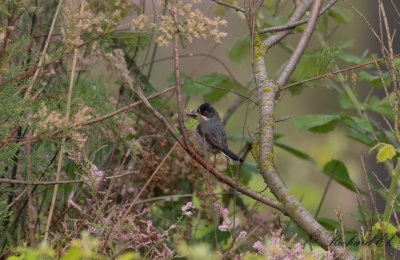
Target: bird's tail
[231,155]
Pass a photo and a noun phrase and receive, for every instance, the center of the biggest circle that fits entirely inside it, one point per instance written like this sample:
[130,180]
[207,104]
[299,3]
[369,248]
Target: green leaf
[128,256]
[345,101]
[374,80]
[390,234]
[386,152]
[340,174]
[323,24]
[381,106]
[332,225]
[384,194]
[189,86]
[363,123]
[341,15]
[240,50]
[245,172]
[316,123]
[219,80]
[294,151]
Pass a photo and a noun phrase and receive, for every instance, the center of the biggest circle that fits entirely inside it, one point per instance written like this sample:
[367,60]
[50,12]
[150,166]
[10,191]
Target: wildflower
[186,209]
[241,235]
[226,224]
[259,247]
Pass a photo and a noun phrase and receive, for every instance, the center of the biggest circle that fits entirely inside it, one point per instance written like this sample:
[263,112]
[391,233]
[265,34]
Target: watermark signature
[387,240]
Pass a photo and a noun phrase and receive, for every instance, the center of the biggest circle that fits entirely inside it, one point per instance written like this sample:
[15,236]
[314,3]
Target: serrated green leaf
[380,106]
[340,174]
[363,123]
[322,123]
[240,50]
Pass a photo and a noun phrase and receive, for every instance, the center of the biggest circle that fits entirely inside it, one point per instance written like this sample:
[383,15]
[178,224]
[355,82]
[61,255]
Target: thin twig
[29,169]
[40,182]
[236,8]
[229,90]
[300,22]
[182,127]
[334,73]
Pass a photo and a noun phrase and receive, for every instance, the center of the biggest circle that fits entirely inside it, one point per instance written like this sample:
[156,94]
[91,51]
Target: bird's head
[205,111]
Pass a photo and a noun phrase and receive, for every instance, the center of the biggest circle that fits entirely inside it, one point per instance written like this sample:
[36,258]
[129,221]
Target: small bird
[210,131]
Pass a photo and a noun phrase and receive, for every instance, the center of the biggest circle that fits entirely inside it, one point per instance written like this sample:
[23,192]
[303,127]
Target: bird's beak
[192,113]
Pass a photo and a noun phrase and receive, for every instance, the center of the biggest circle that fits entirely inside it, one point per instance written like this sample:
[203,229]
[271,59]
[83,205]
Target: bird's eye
[205,112]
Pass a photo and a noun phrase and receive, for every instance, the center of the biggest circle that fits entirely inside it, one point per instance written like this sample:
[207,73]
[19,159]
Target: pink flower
[186,209]
[259,247]
[241,235]
[226,224]
[329,255]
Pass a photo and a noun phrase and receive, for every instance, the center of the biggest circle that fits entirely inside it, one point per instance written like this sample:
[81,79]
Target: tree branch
[301,46]
[234,7]
[266,90]
[292,25]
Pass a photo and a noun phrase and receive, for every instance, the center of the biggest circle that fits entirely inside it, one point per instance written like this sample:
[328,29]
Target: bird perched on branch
[210,131]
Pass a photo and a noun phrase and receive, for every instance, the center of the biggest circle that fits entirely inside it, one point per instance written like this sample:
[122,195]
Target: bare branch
[292,25]
[301,46]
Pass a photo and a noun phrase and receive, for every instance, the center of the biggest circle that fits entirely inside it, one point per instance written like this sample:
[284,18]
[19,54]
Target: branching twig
[301,46]
[292,25]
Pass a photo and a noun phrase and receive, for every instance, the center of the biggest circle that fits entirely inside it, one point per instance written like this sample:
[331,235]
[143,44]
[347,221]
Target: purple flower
[259,247]
[186,209]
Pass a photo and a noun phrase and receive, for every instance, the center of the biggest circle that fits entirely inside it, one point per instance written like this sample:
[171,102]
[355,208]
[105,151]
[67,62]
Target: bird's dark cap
[207,110]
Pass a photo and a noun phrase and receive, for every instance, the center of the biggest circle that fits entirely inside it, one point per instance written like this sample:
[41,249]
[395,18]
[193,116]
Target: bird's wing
[214,134]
